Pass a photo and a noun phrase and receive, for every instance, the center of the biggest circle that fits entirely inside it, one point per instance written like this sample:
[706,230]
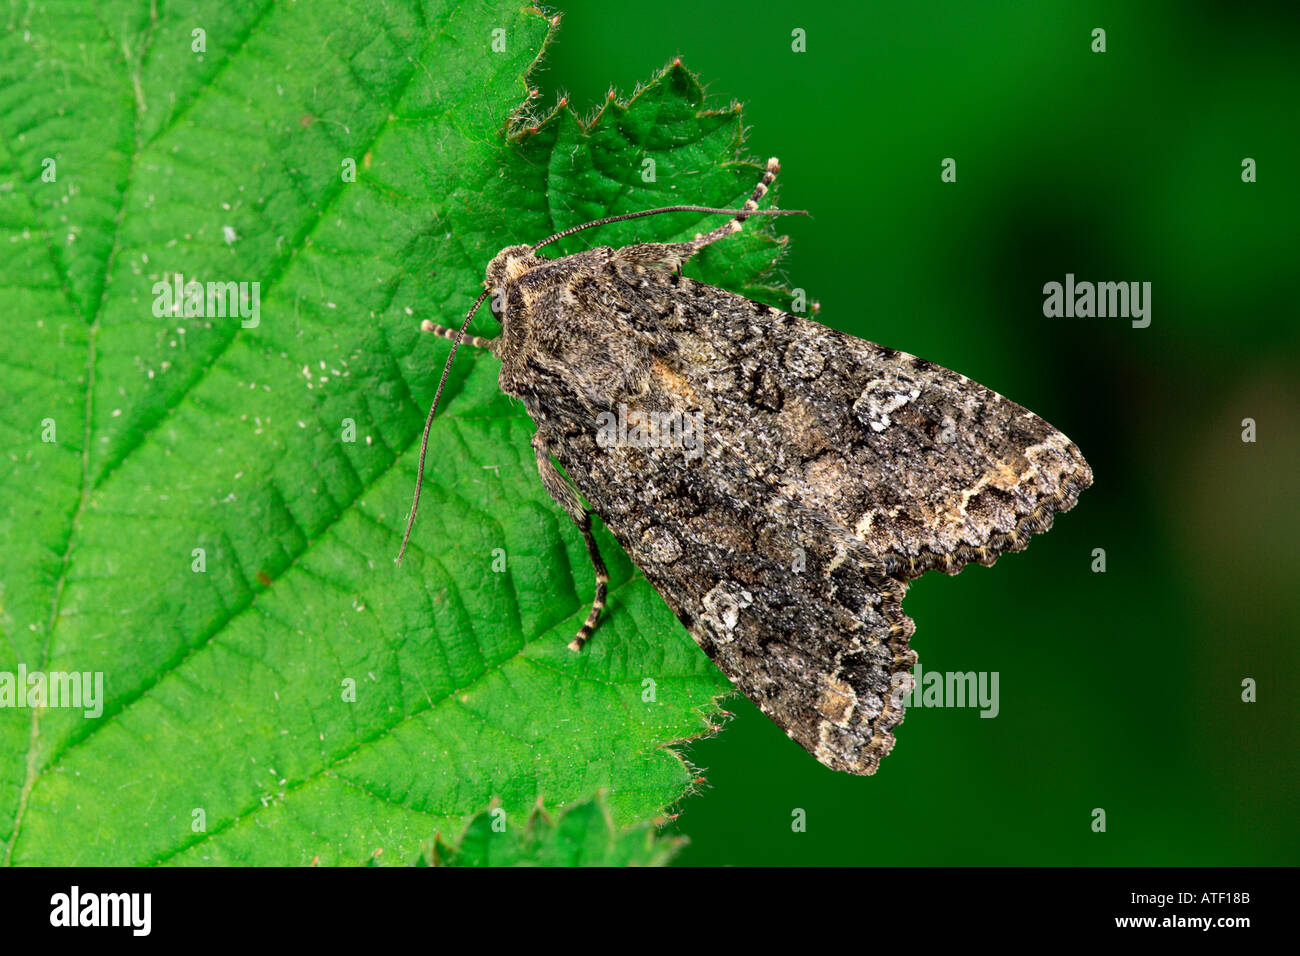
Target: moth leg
[441,330]
[566,496]
[675,253]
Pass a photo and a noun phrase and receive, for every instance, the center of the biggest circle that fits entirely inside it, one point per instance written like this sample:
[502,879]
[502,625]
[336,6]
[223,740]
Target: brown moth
[778,482]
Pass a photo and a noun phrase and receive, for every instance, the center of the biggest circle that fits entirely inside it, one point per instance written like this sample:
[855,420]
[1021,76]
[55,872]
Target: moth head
[503,271]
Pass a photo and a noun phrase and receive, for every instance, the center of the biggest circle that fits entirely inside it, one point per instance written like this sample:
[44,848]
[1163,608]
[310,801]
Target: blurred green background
[1119,690]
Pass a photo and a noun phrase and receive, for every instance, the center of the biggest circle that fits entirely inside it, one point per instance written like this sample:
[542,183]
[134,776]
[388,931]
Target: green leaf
[201,532]
[584,834]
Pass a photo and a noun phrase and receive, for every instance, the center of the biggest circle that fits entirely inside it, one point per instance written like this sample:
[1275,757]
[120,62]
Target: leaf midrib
[32,774]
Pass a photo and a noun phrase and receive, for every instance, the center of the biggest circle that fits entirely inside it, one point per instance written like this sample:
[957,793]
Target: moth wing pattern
[831,471]
[808,476]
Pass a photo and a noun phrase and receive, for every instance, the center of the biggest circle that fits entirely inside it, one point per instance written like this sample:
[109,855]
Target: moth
[823,475]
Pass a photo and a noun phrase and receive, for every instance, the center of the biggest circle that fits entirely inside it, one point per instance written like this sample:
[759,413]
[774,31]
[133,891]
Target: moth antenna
[655,212]
[428,422]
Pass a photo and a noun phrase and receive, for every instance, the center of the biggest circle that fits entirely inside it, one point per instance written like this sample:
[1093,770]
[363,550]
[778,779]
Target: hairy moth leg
[733,225]
[441,330]
[676,253]
[566,496]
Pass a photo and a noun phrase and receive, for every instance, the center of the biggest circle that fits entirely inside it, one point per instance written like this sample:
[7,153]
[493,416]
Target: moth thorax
[508,265]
